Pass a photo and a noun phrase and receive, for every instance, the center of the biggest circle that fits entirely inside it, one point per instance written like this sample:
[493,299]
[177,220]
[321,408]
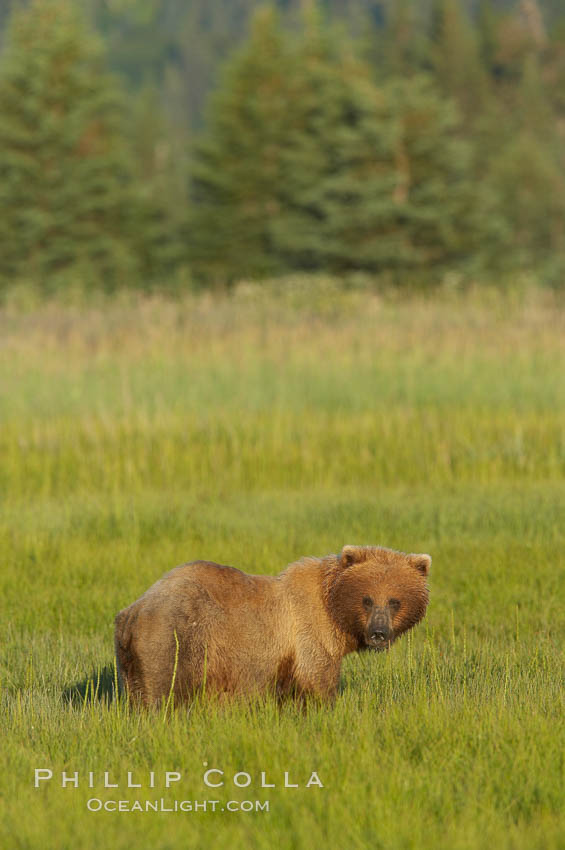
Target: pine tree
[236,172]
[402,43]
[65,175]
[527,178]
[308,164]
[378,184]
[159,166]
[487,36]
[455,56]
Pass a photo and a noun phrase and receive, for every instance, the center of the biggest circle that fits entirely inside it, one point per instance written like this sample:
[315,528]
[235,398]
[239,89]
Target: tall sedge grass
[137,434]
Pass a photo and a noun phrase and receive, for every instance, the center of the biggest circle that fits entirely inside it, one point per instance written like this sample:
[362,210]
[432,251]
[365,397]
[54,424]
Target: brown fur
[243,634]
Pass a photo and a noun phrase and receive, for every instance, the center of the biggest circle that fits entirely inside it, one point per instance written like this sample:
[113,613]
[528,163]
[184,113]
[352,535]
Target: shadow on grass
[99,686]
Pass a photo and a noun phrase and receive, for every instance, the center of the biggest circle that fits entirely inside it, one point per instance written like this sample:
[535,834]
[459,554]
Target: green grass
[139,434]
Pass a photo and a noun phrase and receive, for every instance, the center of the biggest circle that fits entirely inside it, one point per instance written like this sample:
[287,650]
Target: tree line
[402,141]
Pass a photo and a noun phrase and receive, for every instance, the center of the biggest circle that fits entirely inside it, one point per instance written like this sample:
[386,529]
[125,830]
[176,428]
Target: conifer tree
[529,189]
[236,173]
[65,172]
[402,42]
[159,169]
[308,164]
[455,56]
[527,177]
[487,37]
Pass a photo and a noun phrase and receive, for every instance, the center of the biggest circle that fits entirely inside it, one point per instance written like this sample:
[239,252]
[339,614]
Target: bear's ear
[351,555]
[422,563]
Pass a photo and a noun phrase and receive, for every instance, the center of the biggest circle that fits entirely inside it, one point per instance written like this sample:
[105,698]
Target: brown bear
[211,628]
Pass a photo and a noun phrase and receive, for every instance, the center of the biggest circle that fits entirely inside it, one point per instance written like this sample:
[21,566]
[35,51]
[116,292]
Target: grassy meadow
[141,432]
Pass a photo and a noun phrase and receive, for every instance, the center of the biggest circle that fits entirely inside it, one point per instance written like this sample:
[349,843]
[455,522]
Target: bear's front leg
[316,675]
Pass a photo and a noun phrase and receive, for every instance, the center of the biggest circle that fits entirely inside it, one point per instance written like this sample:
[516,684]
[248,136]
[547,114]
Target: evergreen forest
[160,143]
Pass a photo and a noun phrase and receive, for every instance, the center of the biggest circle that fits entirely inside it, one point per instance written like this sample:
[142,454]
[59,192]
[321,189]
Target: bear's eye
[394,604]
[367,602]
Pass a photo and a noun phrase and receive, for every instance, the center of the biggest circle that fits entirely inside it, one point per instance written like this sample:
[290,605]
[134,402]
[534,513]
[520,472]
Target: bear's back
[225,586]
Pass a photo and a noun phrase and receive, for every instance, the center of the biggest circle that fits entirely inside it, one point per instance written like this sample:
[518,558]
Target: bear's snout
[379,629]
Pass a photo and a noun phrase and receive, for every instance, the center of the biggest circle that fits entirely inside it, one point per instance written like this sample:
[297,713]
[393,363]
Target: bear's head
[375,594]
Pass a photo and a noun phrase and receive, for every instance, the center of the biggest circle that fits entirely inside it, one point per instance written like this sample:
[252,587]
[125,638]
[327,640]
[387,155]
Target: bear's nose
[379,627]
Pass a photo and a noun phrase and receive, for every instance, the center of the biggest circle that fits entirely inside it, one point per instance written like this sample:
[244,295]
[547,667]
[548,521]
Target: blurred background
[165,144]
